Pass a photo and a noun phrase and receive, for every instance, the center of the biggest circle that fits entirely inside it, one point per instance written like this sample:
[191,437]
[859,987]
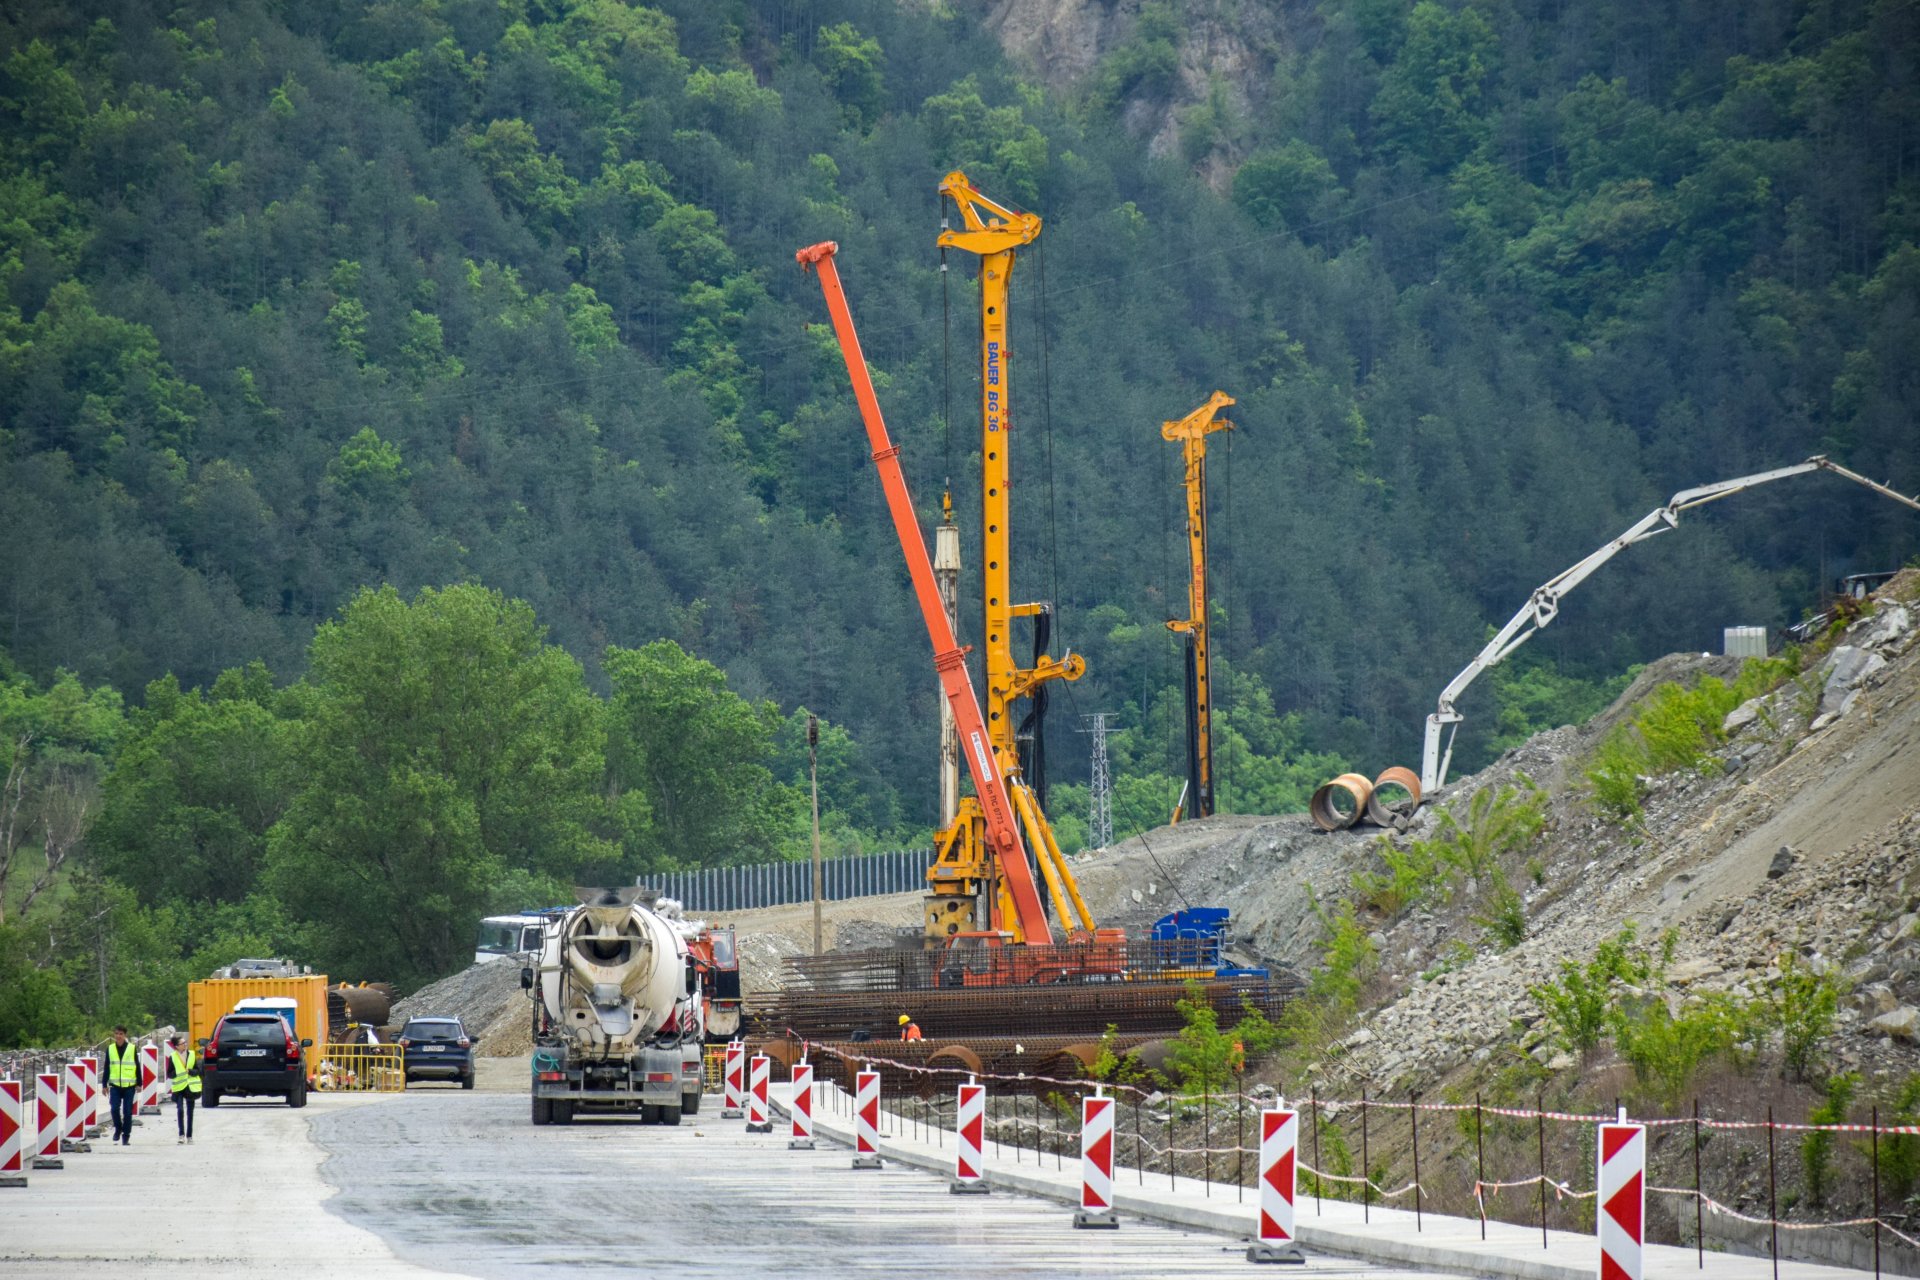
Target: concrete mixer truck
[614,1011]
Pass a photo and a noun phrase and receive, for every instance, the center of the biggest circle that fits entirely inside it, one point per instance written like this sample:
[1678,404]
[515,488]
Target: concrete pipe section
[1395,795]
[1339,804]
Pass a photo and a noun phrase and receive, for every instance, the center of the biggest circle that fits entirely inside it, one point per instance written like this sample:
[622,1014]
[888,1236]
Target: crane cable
[946,355]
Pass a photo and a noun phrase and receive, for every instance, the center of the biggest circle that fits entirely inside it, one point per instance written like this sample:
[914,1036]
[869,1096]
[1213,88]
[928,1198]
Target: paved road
[464,1181]
[441,1181]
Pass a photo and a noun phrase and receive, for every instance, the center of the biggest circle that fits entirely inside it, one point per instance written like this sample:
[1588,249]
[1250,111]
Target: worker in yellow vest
[183,1065]
[123,1081]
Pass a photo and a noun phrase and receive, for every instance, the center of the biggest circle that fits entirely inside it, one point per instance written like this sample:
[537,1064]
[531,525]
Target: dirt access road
[444,1182]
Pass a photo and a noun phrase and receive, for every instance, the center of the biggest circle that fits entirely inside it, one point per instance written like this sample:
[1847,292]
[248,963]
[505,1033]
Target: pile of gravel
[486,997]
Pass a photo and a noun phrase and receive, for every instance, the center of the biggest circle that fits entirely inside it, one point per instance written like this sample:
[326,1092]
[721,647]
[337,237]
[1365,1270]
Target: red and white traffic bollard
[970,1132]
[1279,1149]
[49,1118]
[73,1107]
[13,1135]
[733,1102]
[147,1101]
[94,1124]
[866,1121]
[759,1114]
[802,1108]
[1623,1200]
[1096,1163]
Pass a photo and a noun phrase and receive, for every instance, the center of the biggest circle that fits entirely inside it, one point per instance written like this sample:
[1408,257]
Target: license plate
[249,1053]
[432,1048]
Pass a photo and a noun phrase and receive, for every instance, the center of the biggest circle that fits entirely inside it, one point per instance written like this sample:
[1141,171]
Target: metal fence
[773,884]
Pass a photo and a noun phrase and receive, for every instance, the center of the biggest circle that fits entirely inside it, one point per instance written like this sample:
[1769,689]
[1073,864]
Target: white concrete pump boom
[1544,604]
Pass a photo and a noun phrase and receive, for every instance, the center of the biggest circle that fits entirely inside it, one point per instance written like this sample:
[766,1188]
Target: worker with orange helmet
[909,1029]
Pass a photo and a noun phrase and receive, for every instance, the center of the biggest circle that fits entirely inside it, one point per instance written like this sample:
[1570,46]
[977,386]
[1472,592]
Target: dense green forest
[300,300]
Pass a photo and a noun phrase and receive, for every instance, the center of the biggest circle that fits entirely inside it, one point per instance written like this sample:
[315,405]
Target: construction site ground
[438,1181]
[1801,844]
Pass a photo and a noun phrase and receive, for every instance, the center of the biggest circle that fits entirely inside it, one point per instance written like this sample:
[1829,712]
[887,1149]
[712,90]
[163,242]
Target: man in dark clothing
[123,1082]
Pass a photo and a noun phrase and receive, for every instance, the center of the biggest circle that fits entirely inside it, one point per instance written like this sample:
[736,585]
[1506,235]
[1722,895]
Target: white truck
[615,1012]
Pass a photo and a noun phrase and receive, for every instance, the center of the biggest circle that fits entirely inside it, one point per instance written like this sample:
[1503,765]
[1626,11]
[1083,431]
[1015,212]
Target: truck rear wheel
[649,1113]
[562,1109]
[670,1114]
[542,1110]
[690,1104]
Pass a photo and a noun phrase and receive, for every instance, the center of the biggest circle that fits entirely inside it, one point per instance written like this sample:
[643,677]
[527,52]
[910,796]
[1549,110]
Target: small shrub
[1505,918]
[1579,1004]
[1816,1149]
[1802,1006]
[1900,1152]
[1120,1068]
[1665,1049]
[1613,779]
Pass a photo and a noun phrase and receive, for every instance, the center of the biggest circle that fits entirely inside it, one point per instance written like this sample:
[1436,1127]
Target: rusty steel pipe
[1383,807]
[1325,810]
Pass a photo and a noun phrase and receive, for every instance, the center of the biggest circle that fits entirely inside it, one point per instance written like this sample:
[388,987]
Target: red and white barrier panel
[73,1107]
[1279,1163]
[49,1118]
[94,1091]
[970,1135]
[733,1102]
[147,1100]
[759,1114]
[802,1108]
[1623,1201]
[13,1135]
[1096,1163]
[866,1122]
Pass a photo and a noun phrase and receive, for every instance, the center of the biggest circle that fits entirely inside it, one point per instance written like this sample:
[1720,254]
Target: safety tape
[1561,1190]
[1379,1190]
[1334,1106]
[1728,1211]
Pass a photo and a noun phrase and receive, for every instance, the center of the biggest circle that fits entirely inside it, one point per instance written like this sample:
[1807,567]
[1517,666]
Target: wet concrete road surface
[463,1181]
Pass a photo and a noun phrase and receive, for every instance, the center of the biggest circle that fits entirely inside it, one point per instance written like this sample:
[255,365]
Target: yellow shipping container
[209,1001]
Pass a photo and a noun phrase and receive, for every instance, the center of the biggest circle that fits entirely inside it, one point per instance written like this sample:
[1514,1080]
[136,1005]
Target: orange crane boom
[949,659]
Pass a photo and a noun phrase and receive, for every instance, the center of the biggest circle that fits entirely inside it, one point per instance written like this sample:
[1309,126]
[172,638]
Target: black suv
[437,1049]
[253,1053]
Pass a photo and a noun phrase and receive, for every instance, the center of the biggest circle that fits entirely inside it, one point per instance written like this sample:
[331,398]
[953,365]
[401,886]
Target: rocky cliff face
[1225,55]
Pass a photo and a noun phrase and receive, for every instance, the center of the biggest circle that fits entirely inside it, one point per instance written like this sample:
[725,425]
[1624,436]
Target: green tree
[687,764]
[55,744]
[442,746]
[1433,97]
[194,791]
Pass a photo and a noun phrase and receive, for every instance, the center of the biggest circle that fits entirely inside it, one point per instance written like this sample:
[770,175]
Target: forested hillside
[301,299]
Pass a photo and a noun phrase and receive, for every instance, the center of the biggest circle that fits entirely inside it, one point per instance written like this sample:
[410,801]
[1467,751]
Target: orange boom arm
[948,657]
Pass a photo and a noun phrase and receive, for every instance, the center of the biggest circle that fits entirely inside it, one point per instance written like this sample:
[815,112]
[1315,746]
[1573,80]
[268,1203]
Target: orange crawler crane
[949,659]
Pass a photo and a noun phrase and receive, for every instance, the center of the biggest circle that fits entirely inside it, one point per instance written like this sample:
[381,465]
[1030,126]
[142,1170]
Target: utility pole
[813,772]
[1100,788]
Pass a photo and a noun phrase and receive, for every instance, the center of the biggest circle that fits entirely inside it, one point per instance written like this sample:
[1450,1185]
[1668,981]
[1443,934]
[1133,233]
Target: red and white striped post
[13,1135]
[94,1124]
[49,1118]
[970,1134]
[147,1101]
[866,1122]
[733,1102]
[1096,1163]
[759,1113]
[802,1108]
[1623,1200]
[1279,1152]
[73,1107]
